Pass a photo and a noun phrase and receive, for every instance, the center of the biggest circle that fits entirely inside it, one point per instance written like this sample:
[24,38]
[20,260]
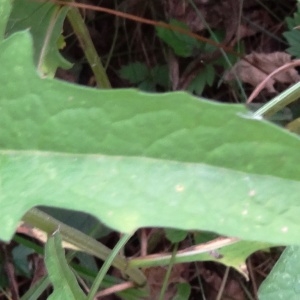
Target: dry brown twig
[115,289]
[262,85]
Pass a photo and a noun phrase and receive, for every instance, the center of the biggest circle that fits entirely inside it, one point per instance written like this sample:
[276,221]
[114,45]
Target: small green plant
[146,79]
[292,36]
[134,160]
[188,47]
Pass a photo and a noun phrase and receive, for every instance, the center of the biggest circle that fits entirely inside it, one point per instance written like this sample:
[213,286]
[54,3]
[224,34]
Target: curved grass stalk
[82,242]
[109,260]
[276,104]
[168,274]
[88,48]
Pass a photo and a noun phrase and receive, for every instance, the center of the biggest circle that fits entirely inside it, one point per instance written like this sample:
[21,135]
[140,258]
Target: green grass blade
[35,291]
[63,279]
[107,264]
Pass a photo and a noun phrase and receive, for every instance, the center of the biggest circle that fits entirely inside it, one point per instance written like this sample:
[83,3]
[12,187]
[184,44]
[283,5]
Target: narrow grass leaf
[63,279]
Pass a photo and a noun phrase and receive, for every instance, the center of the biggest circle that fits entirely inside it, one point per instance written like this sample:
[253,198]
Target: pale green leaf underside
[134,159]
[284,280]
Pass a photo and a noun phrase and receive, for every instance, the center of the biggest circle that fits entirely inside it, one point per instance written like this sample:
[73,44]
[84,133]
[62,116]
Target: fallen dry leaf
[259,65]
[232,289]
[156,276]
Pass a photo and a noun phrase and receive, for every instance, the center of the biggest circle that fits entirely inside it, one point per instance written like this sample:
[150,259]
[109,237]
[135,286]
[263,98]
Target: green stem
[168,274]
[276,104]
[39,287]
[107,263]
[88,48]
[83,242]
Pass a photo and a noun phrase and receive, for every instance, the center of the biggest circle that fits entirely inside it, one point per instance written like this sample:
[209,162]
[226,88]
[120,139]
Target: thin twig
[261,86]
[115,289]
[222,287]
[252,276]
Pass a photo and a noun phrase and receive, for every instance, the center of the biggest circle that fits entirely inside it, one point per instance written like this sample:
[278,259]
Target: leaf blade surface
[124,156]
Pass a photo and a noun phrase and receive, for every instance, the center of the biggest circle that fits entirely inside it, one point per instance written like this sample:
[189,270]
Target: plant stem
[222,287]
[276,104]
[88,48]
[168,274]
[39,287]
[109,260]
[83,242]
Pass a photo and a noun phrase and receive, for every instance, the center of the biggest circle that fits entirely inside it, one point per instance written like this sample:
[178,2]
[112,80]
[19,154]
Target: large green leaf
[134,159]
[284,280]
